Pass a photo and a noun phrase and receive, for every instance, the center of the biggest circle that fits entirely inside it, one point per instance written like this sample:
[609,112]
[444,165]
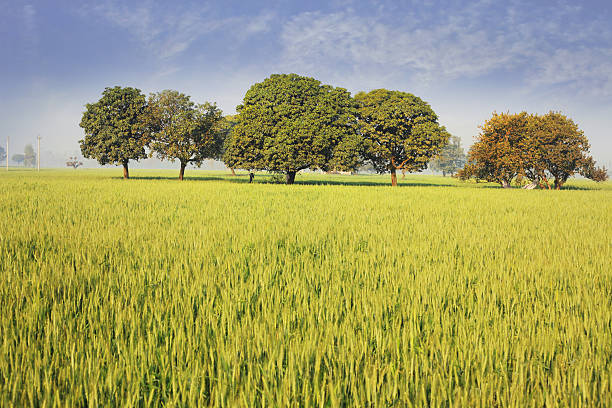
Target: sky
[467,59]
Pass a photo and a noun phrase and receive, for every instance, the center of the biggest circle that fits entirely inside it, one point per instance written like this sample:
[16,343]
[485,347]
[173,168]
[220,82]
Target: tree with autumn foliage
[499,152]
[184,131]
[545,149]
[558,149]
[400,131]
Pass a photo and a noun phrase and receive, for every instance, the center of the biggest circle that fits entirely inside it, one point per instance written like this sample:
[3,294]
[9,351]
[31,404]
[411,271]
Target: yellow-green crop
[211,291]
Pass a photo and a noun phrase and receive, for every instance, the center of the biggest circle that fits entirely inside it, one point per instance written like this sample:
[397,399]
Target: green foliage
[401,131]
[184,131]
[289,123]
[223,294]
[450,159]
[29,156]
[115,127]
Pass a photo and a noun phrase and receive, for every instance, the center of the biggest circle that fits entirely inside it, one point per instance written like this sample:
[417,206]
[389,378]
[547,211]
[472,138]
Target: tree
[2,154]
[560,149]
[289,123]
[29,156]
[184,131]
[450,159]
[538,147]
[73,162]
[229,121]
[498,154]
[18,158]
[401,131]
[116,127]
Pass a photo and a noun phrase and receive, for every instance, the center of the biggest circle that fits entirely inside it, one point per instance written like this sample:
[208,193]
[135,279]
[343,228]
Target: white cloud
[546,46]
[169,33]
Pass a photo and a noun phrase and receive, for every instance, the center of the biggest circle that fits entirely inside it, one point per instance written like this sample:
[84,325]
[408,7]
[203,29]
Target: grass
[337,291]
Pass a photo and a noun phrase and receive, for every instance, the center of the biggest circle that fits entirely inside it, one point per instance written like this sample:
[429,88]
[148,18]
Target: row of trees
[27,158]
[288,123]
[285,124]
[544,149]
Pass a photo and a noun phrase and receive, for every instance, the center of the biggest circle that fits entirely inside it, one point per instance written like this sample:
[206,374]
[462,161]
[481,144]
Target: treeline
[27,158]
[285,124]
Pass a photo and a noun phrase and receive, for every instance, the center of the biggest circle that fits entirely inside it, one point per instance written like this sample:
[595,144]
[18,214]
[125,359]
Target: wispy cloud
[30,29]
[543,46]
[168,33]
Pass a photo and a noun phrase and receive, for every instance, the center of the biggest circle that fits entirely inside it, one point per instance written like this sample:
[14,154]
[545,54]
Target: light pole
[7,152]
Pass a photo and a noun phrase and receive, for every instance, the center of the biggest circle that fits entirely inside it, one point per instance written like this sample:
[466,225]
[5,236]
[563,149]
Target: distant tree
[498,154]
[116,127]
[401,131]
[184,131]
[289,123]
[450,159]
[18,158]
[29,156]
[73,162]
[2,154]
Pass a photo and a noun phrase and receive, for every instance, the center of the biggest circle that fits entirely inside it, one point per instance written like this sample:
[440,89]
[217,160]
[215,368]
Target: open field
[337,291]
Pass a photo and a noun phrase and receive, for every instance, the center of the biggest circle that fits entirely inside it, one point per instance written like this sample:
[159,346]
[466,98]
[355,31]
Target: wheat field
[336,291]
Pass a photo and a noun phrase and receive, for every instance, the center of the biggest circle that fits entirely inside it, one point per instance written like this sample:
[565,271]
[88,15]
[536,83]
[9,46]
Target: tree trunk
[251,177]
[182,172]
[558,184]
[126,171]
[290,177]
[505,184]
[443,173]
[393,177]
[233,172]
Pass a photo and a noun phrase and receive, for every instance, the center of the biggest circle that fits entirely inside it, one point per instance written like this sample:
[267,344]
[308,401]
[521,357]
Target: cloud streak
[543,46]
[169,33]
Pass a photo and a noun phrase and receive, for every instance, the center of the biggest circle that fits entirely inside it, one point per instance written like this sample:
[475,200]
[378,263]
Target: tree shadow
[365,183]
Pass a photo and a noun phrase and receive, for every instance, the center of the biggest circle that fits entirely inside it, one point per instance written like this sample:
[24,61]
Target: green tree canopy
[450,159]
[184,131]
[288,123]
[116,127]
[401,131]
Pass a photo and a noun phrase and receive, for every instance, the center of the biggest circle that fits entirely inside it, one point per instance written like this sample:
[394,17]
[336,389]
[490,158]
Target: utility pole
[7,152]
[38,153]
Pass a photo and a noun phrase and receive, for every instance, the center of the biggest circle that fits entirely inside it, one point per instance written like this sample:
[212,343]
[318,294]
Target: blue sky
[467,59]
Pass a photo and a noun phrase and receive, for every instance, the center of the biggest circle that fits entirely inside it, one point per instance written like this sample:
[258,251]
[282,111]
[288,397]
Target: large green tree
[184,131]
[289,123]
[116,127]
[401,131]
